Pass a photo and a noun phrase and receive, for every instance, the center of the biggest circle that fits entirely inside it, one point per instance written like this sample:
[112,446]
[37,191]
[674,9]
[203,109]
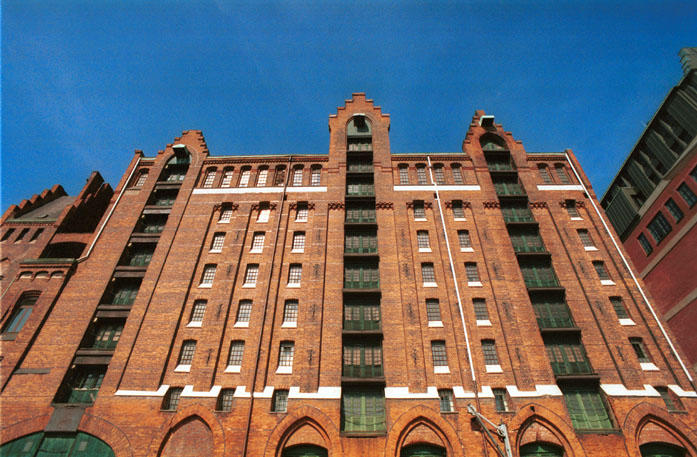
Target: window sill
[627,322]
[284,370]
[205,286]
[215,251]
[223,222]
[474,284]
[289,325]
[441,370]
[256,251]
[483,323]
[430,284]
[648,366]
[459,219]
[183,369]
[607,282]
[576,218]
[420,219]
[425,250]
[293,286]
[301,220]
[195,324]
[249,286]
[297,251]
[466,249]
[494,369]
[590,248]
[233,369]
[241,325]
[435,323]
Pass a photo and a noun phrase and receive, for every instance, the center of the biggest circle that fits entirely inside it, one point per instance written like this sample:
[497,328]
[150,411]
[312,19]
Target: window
[472,272]
[457,174]
[489,350]
[403,174]
[171,400]
[262,176]
[208,275]
[186,356]
[258,241]
[285,356]
[458,211]
[294,273]
[142,177]
[236,352]
[687,195]
[301,212]
[659,227]
[107,334]
[250,275]
[244,312]
[640,350]
[362,410]
[21,235]
[693,174]
[481,313]
[36,235]
[645,244]
[544,174]
[82,384]
[8,234]
[500,400]
[618,306]
[561,174]
[422,240]
[362,360]
[586,408]
[209,179]
[674,210]
[280,401]
[446,400]
[225,399]
[600,269]
[280,176]
[124,293]
[433,310]
[572,209]
[419,210]
[315,176]
[197,311]
[244,177]
[585,238]
[567,356]
[227,178]
[359,315]
[21,313]
[439,174]
[538,273]
[264,212]
[440,356]
[672,403]
[298,241]
[360,241]
[290,313]
[217,243]
[463,237]
[225,215]
[427,273]
[297,177]
[421,174]
[361,275]
[551,311]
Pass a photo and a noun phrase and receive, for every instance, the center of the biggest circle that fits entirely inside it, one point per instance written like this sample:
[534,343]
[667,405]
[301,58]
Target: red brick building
[352,303]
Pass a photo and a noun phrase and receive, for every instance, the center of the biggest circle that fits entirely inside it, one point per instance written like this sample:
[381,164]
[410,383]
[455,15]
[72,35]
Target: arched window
[457,173]
[297,176]
[540,449]
[439,174]
[544,174]
[244,176]
[561,174]
[403,173]
[141,177]
[316,175]
[359,134]
[262,175]
[20,313]
[491,142]
[422,450]
[227,177]
[661,450]
[421,174]
[304,450]
[64,445]
[209,178]
[176,167]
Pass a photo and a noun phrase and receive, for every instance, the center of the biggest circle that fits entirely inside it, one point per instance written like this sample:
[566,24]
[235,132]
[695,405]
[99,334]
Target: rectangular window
[301,212]
[571,209]
[264,212]
[362,360]
[422,240]
[481,313]
[439,354]
[298,242]
[258,241]
[421,175]
[262,176]
[198,310]
[210,178]
[227,178]
[107,335]
[360,241]
[500,400]
[693,174]
[186,356]
[640,350]
[446,400]
[687,194]
[600,269]
[472,272]
[361,275]
[672,403]
[463,237]
[83,384]
[171,400]
[659,227]
[561,174]
[567,356]
[427,273]
[363,410]
[674,210]
[20,314]
[125,292]
[618,306]
[217,243]
[433,310]
[315,176]
[251,274]
[294,273]
[225,400]
[290,312]
[36,235]
[458,210]
[457,174]
[404,174]
[244,311]
[285,354]
[586,408]
[538,273]
[585,238]
[551,311]
[225,215]
[297,177]
[208,275]
[645,244]
[489,350]
[280,176]
[361,316]
[419,210]
[280,401]
[236,353]
[439,174]
[142,177]
[244,178]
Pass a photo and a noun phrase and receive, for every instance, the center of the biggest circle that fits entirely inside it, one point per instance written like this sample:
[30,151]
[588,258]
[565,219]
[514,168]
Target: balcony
[361,245]
[529,247]
[363,371]
[361,284]
[505,189]
[360,215]
[360,167]
[360,190]
[540,278]
[553,316]
[517,215]
[501,166]
[361,325]
[565,368]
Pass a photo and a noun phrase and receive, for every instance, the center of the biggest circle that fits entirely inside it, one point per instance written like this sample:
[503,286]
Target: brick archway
[645,416]
[421,416]
[305,416]
[25,427]
[534,414]
[107,432]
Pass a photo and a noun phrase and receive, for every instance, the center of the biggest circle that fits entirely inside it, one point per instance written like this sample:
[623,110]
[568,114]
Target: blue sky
[84,83]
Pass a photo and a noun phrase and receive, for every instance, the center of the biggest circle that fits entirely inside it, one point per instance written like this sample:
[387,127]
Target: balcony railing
[523,246]
[361,317]
[363,371]
[360,190]
[360,216]
[517,215]
[553,316]
[540,278]
[505,188]
[360,167]
[361,245]
[500,166]
[571,368]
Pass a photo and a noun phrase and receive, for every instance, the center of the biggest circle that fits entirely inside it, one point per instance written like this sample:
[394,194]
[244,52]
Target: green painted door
[304,450]
[661,450]
[422,450]
[541,450]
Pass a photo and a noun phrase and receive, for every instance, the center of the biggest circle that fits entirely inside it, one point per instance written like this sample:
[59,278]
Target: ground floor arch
[540,449]
[304,450]
[56,445]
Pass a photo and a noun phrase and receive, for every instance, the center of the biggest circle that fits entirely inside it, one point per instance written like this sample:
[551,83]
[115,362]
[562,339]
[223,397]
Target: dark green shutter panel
[422,450]
[304,451]
[56,446]
[25,446]
[639,178]
[90,446]
[661,450]
[541,450]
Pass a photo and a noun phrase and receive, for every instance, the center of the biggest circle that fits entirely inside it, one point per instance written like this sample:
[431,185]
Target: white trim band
[559,187]
[466,188]
[257,190]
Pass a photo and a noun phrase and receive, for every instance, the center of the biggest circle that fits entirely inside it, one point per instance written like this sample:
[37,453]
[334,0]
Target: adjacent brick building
[652,203]
[350,303]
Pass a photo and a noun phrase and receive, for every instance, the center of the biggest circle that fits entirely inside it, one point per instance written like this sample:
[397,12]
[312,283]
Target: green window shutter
[56,446]
[90,446]
[25,446]
[587,409]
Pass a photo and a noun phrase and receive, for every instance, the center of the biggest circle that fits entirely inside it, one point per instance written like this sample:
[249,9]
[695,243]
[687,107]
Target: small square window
[244,312]
[501,400]
[645,244]
[457,174]
[227,178]
[217,243]
[294,273]
[572,210]
[225,215]
[422,240]
[264,212]
[251,274]
[440,356]
[290,312]
[463,237]
[301,212]
[285,354]
[489,350]
[433,310]
[236,353]
[225,400]
[280,401]
[208,275]
[640,350]
[419,209]
[481,313]
[258,241]
[586,239]
[600,269]
[171,400]
[198,310]
[659,227]
[427,273]
[458,211]
[472,272]
[618,306]
[209,179]
[186,356]
[446,400]
[262,176]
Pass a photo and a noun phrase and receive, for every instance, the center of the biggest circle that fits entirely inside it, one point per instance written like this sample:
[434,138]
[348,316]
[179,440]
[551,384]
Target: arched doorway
[56,445]
[539,449]
[422,450]
[304,450]
[661,450]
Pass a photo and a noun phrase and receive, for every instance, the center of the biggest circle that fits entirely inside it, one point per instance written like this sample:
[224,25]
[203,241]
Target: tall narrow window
[363,410]
[301,212]
[258,241]
[298,242]
[572,210]
[561,174]
[209,179]
[244,312]
[83,384]
[423,241]
[687,194]
[433,310]
[645,244]
[225,215]
[457,173]
[107,334]
[446,400]
[186,356]
[544,174]
[264,212]
[142,177]
[20,314]
[659,227]
[489,350]
[225,400]
[290,313]
[197,312]
[403,174]
[500,400]
[439,354]
[618,306]
[208,275]
[439,174]
[217,242]
[481,313]
[586,239]
[421,174]
[472,272]
[463,237]
[285,357]
[315,176]
[294,273]
[674,210]
[262,176]
[227,178]
[171,400]
[428,274]
[244,177]
[280,401]
[640,350]
[419,210]
[599,266]
[250,275]
[297,177]
[458,210]
[672,403]
[280,176]
[36,235]
[235,356]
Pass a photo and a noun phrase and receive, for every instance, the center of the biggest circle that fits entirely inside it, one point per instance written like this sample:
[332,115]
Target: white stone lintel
[266,393]
[541,390]
[144,393]
[403,393]
[323,393]
[190,392]
[619,390]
